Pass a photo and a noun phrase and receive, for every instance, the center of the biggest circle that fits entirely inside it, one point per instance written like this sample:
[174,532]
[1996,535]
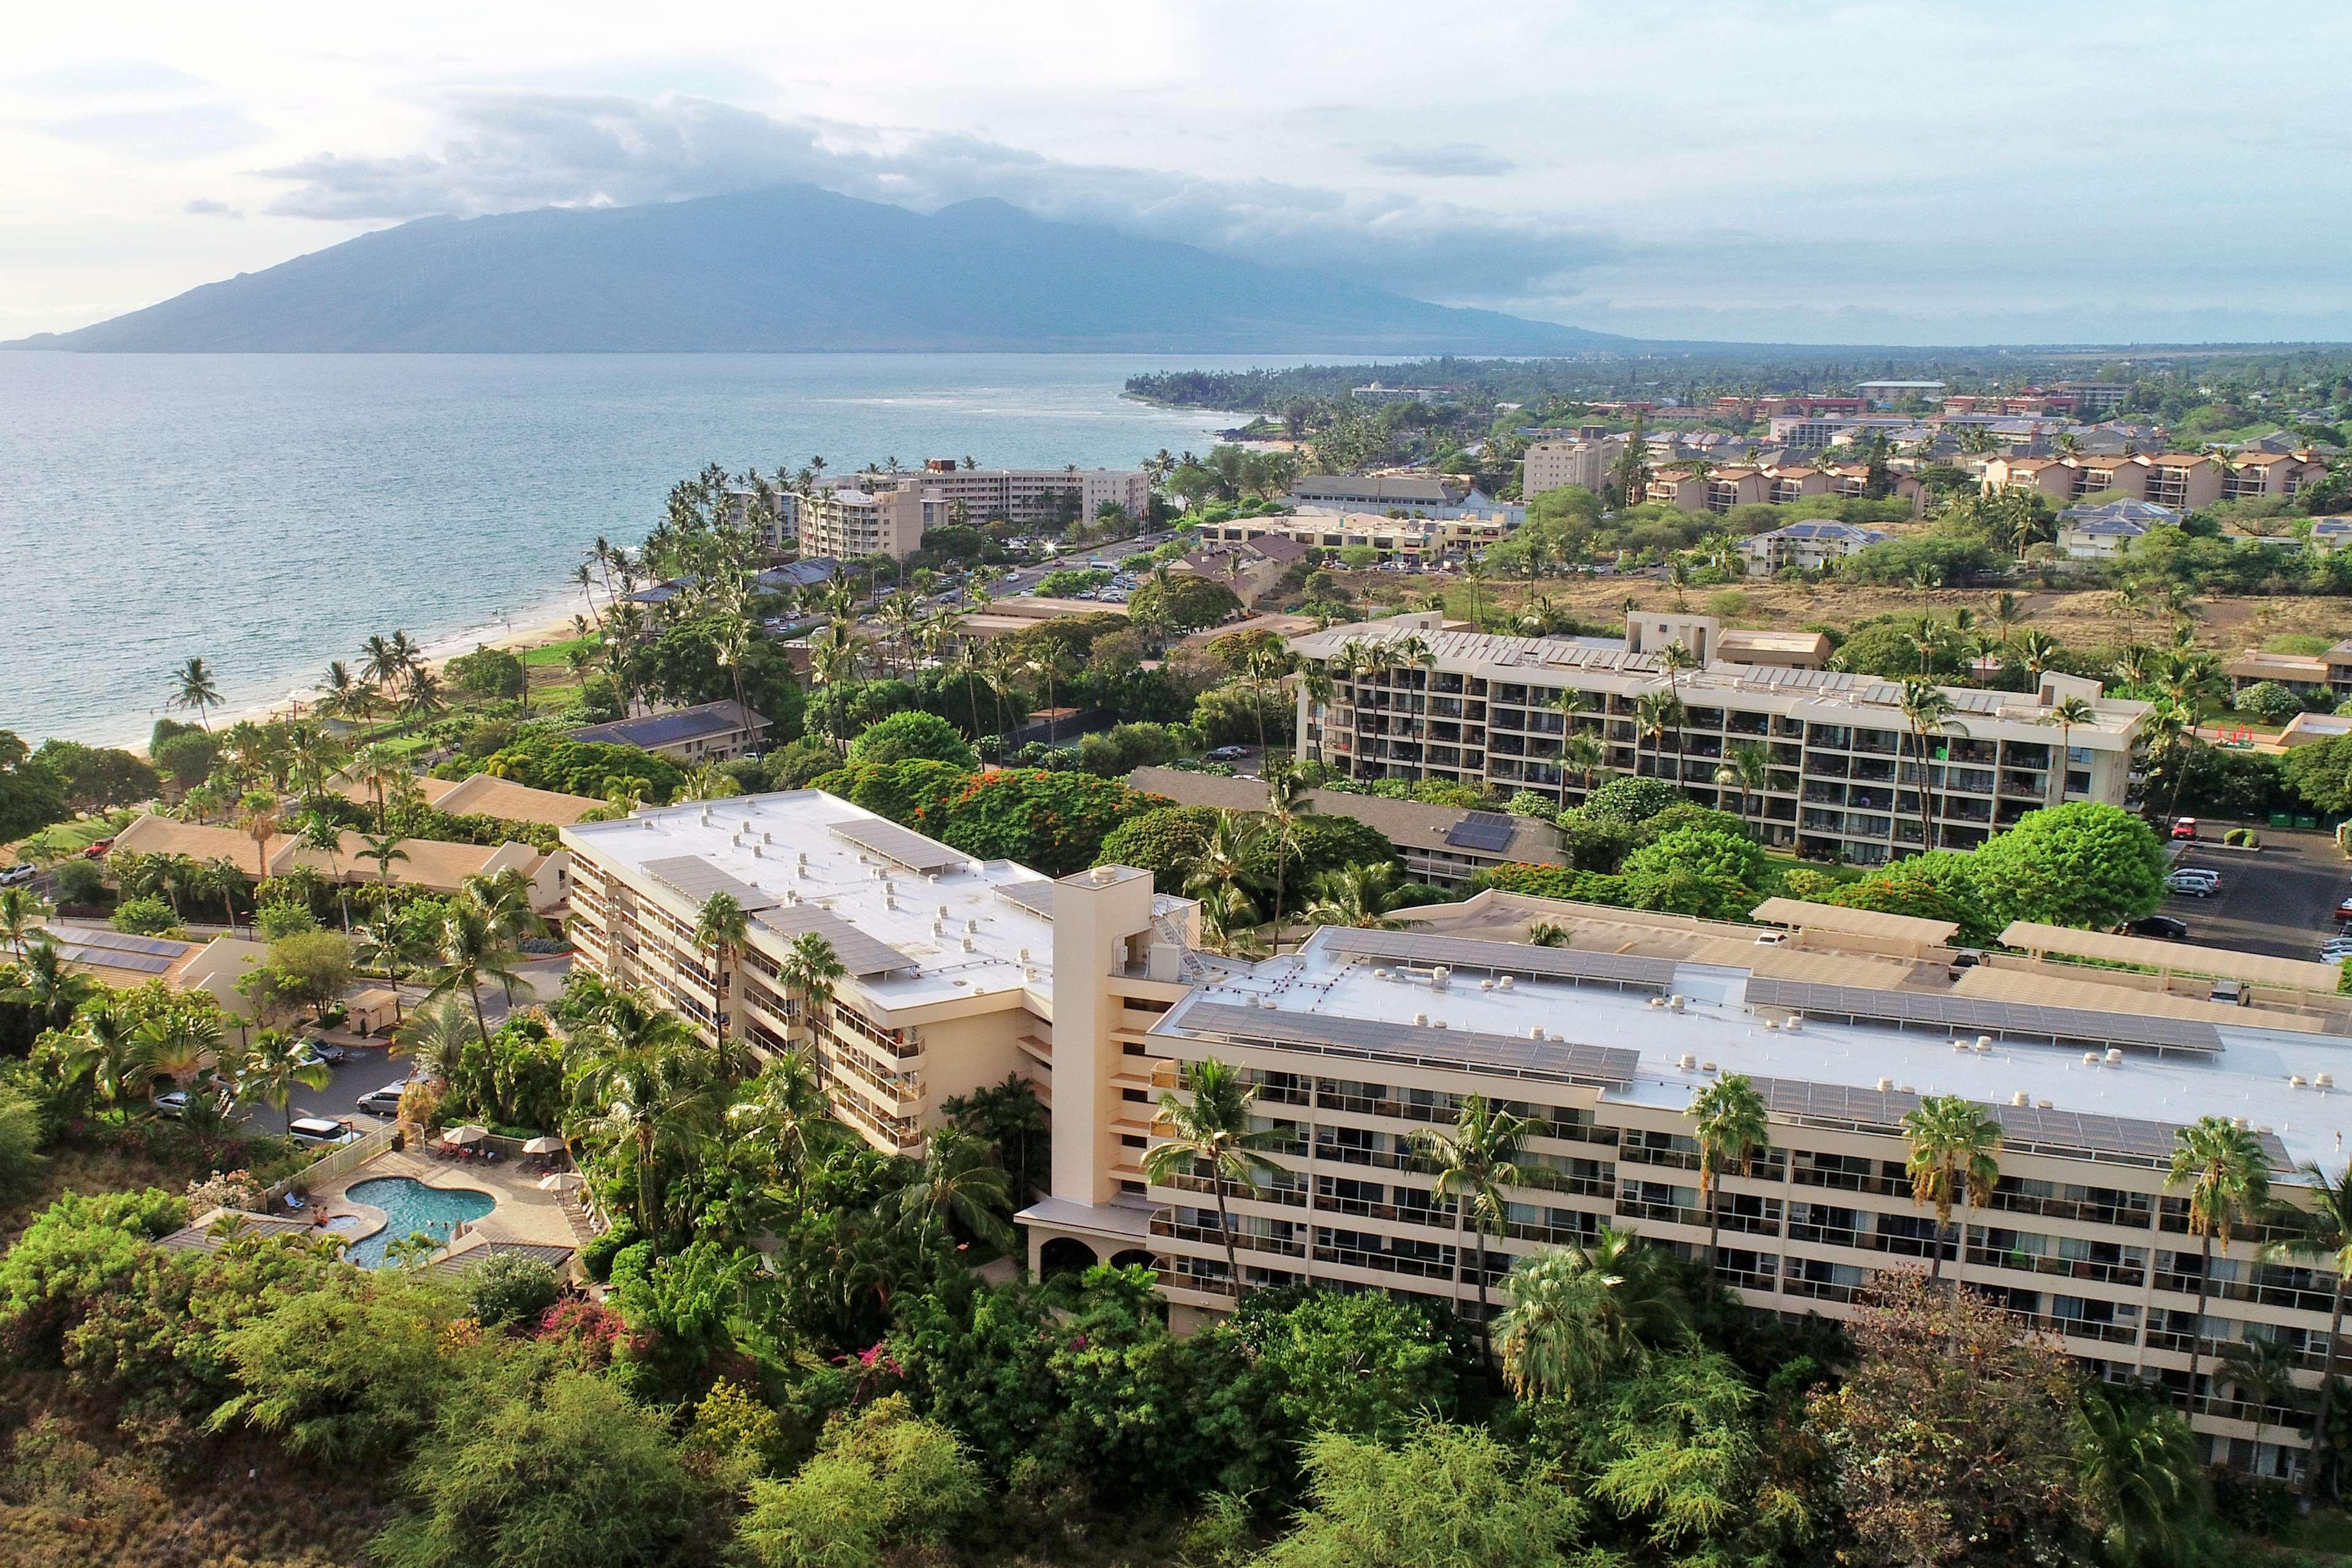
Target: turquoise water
[267,511]
[409,1206]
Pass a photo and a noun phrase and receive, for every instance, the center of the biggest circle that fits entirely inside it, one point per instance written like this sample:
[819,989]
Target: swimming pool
[409,1206]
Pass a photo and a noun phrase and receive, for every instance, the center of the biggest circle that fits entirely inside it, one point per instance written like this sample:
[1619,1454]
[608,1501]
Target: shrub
[881,1480]
[2272,700]
[597,1256]
[82,883]
[1629,800]
[914,734]
[508,1288]
[2240,838]
[145,917]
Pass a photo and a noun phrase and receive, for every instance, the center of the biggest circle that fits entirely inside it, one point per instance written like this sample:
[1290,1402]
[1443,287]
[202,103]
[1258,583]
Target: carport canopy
[1805,915]
[2172,957]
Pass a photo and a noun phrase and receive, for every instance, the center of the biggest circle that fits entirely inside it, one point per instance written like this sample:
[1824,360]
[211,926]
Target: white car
[2196,884]
[318,1132]
[176,1103]
[385,1101]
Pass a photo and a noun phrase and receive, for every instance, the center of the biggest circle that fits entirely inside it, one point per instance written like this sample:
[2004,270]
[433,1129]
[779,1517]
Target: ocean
[268,513]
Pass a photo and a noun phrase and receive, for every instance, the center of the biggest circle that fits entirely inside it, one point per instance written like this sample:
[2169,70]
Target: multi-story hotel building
[1362,1039]
[960,973]
[1554,465]
[1844,775]
[846,523]
[1031,497]
[952,963]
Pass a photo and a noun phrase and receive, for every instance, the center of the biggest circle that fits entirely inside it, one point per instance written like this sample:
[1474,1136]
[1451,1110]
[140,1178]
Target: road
[2279,901]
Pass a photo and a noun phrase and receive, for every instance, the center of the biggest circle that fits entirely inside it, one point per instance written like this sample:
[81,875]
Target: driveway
[2279,901]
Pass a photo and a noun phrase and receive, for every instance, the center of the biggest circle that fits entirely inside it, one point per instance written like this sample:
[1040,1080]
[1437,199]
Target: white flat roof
[856,884]
[2247,1077]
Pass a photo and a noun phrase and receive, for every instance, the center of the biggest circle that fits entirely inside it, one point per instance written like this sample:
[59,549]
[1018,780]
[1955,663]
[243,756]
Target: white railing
[334,1163]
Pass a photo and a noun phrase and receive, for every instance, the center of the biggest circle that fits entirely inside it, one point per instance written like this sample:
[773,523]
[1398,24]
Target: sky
[1866,172]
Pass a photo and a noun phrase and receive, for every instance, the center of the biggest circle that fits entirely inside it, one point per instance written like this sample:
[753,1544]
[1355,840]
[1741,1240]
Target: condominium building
[1391,538]
[1843,1021]
[2252,475]
[1808,546]
[707,732]
[959,972]
[1032,496]
[1555,465]
[1413,699]
[848,522]
[1887,393]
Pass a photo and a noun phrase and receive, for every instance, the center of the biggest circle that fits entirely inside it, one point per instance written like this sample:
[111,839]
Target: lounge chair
[295,1202]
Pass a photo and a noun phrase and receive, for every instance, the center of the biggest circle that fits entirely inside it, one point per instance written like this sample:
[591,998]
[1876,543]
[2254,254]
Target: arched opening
[1134,1258]
[1064,1255]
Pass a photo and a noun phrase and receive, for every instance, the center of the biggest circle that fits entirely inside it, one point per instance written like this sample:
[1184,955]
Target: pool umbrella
[543,1145]
[464,1135]
[562,1182]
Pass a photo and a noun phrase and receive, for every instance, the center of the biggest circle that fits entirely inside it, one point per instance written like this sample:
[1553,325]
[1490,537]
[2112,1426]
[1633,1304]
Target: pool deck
[524,1215]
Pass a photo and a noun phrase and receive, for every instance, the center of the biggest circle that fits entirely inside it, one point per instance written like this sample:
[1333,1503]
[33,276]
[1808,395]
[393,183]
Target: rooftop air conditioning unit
[1686,1061]
[2020,1098]
[1486,985]
[943,911]
[1535,1032]
[2323,1081]
[1025,955]
[1884,1084]
[971,925]
[1504,984]
[967,944]
[1421,1020]
[1674,1004]
[1983,1045]
[1439,976]
[2115,1056]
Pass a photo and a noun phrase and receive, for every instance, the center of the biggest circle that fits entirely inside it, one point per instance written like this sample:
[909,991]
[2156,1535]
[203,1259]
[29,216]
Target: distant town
[1474,918]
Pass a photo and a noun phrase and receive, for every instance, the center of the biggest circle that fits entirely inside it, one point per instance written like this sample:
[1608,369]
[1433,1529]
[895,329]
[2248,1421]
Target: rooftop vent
[943,911]
[2294,1081]
[1534,1031]
[1884,1084]
[1796,1024]
[1486,985]
[1686,1061]
[1706,1066]
[2115,1056]
[1379,974]
[1657,1001]
[1421,1020]
[2323,1080]
[1983,1045]
[967,944]
[1025,955]
[1504,984]
[1959,1045]
[1674,1002]
[2042,1105]
[1437,1023]
[2090,1059]
[1439,976]
[2020,1098]
[1771,1026]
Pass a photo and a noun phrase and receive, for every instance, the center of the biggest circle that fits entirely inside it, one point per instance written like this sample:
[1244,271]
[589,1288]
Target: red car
[98,850]
[2184,828]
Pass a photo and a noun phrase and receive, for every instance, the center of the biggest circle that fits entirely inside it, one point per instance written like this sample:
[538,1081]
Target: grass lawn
[61,841]
[552,654]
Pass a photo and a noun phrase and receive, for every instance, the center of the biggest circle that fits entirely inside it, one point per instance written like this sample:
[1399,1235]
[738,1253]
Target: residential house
[707,732]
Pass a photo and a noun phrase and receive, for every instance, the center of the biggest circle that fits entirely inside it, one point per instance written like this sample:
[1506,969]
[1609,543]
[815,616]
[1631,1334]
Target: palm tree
[256,813]
[195,687]
[384,849]
[2035,651]
[2326,1237]
[22,910]
[423,698]
[1214,1129]
[47,986]
[473,948]
[2262,1371]
[1357,896]
[2228,1181]
[274,1068]
[809,971]
[1928,709]
[2067,713]
[1474,1163]
[1951,1149]
[1654,713]
[1582,755]
[722,927]
[435,1036]
[2138,1472]
[1229,922]
[105,1050]
[958,1182]
[221,876]
[1748,768]
[1285,798]
[639,1073]
[1729,1117]
[317,830]
[1575,1312]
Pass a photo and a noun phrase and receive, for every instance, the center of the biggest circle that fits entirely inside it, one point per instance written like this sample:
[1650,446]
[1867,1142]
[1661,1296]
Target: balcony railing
[2064,1267]
[2089,1212]
[1819,1289]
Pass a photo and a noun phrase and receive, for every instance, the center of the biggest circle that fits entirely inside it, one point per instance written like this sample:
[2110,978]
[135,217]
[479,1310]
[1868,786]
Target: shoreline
[539,626]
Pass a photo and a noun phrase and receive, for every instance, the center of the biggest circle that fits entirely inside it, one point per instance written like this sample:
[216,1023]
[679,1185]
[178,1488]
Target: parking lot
[2279,901]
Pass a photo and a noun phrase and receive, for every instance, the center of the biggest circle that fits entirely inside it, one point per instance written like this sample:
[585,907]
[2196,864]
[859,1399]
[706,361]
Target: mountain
[790,269]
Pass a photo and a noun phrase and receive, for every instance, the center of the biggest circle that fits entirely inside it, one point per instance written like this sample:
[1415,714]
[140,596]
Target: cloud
[162,135]
[204,206]
[508,150]
[104,78]
[1455,159]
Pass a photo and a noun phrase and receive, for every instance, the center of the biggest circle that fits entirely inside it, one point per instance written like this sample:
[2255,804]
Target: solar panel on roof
[1607,1066]
[895,842]
[1502,957]
[697,878]
[1984,1015]
[1487,830]
[860,954]
[123,941]
[140,963]
[1037,898]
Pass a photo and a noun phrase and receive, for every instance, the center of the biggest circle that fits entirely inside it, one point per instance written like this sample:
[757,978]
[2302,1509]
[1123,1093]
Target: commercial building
[1807,546]
[1444,846]
[1555,465]
[1413,494]
[959,972]
[708,732]
[1413,699]
[1392,538]
[1843,1021]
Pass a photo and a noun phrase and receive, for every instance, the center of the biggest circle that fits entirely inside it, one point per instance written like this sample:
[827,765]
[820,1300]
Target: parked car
[2232,992]
[2184,828]
[2344,912]
[316,1051]
[317,1131]
[16,876]
[2164,928]
[175,1103]
[1235,753]
[2336,950]
[2196,884]
[98,850]
[385,1101]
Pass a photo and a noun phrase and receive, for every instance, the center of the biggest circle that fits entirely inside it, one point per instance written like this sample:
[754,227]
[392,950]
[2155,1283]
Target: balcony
[1819,1289]
[2293,1297]
[1850,1181]
[1664,1214]
[2088,1211]
[2124,1273]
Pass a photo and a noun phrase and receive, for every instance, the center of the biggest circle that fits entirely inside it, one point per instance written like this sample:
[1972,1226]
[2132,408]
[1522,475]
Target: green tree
[550,1470]
[271,1071]
[1475,1162]
[2142,1485]
[194,688]
[311,969]
[1447,1495]
[2229,1181]
[2081,864]
[882,1479]
[2325,1237]
[914,734]
[1951,1149]
[721,928]
[472,949]
[642,1089]
[1212,1130]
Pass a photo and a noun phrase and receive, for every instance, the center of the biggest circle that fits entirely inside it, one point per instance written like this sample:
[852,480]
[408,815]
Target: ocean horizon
[266,512]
